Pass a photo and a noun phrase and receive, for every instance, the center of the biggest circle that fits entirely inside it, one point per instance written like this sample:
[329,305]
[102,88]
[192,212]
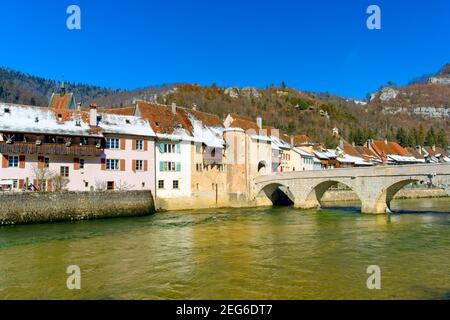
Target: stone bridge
[375,186]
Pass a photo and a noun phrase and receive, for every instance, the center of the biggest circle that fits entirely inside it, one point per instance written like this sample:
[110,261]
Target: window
[86,184]
[160,184]
[64,171]
[15,184]
[112,164]
[112,143]
[110,185]
[168,166]
[199,167]
[46,163]
[139,165]
[13,161]
[168,148]
[176,184]
[139,145]
[81,163]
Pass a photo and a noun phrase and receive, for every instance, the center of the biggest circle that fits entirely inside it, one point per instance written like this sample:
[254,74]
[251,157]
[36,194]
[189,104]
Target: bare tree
[41,175]
[101,185]
[124,186]
[59,183]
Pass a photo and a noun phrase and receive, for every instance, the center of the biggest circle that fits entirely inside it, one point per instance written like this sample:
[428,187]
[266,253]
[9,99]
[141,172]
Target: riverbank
[34,207]
[349,195]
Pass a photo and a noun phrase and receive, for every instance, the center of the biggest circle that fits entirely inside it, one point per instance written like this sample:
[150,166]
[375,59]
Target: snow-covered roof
[128,125]
[211,136]
[303,153]
[278,144]
[398,158]
[49,121]
[346,158]
[260,138]
[325,154]
[38,120]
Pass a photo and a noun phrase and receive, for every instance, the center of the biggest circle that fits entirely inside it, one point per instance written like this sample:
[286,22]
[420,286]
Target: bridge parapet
[375,186]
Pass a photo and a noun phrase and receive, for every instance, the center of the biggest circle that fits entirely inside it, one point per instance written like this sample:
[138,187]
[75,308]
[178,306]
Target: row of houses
[187,158]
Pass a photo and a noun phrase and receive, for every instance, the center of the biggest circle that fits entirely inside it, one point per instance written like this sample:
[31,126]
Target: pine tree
[401,137]
[441,139]
[430,139]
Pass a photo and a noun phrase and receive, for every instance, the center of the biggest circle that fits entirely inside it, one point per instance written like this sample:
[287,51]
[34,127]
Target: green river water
[264,253]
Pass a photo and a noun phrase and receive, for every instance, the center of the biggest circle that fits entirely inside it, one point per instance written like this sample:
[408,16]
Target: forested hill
[288,109]
[21,88]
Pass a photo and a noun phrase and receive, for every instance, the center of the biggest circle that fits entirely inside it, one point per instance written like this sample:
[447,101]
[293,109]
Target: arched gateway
[375,186]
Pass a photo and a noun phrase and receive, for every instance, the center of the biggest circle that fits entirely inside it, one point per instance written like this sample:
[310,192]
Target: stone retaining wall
[33,207]
[348,195]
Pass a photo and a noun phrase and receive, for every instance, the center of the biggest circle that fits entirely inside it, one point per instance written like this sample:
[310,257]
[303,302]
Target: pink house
[49,149]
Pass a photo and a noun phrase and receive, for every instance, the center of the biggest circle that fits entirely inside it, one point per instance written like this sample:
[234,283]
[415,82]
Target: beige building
[250,154]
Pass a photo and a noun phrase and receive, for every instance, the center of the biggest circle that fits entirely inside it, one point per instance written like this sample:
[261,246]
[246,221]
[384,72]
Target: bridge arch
[313,195]
[277,194]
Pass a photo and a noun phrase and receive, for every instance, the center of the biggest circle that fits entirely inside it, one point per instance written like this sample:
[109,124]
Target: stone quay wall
[34,207]
[349,195]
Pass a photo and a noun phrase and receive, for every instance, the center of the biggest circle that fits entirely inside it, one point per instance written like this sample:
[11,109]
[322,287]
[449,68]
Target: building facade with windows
[47,149]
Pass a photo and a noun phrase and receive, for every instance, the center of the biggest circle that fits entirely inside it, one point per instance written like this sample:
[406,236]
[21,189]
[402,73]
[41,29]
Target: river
[262,253]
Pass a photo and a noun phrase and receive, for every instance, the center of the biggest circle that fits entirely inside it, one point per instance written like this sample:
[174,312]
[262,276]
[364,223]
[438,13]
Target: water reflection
[265,253]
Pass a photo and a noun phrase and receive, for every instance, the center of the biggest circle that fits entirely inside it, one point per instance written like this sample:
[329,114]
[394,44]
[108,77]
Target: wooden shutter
[133,144]
[76,163]
[103,164]
[21,184]
[49,185]
[145,145]
[40,162]
[145,165]
[5,162]
[21,162]
[178,166]
[122,165]
[122,144]
[134,165]
[35,185]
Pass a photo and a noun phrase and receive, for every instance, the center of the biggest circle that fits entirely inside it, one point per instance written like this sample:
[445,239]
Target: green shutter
[178,167]
[178,148]
[161,166]
[161,147]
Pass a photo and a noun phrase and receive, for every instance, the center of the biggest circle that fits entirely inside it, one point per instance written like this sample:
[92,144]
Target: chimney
[353,144]
[385,141]
[194,107]
[341,144]
[174,108]
[259,122]
[93,115]
[292,141]
[433,147]
[79,106]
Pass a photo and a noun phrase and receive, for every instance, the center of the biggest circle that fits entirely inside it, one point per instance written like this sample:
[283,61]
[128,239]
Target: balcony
[49,149]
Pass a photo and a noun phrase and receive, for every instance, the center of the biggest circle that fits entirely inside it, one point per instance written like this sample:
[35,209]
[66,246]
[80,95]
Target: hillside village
[186,157]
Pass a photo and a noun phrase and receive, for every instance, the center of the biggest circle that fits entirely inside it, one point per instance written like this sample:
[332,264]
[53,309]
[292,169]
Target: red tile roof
[300,139]
[127,111]
[389,148]
[162,119]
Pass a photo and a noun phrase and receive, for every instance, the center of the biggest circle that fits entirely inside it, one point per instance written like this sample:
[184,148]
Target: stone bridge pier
[375,186]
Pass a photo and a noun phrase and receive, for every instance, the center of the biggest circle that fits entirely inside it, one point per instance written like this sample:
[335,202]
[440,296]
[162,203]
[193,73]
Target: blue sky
[319,45]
